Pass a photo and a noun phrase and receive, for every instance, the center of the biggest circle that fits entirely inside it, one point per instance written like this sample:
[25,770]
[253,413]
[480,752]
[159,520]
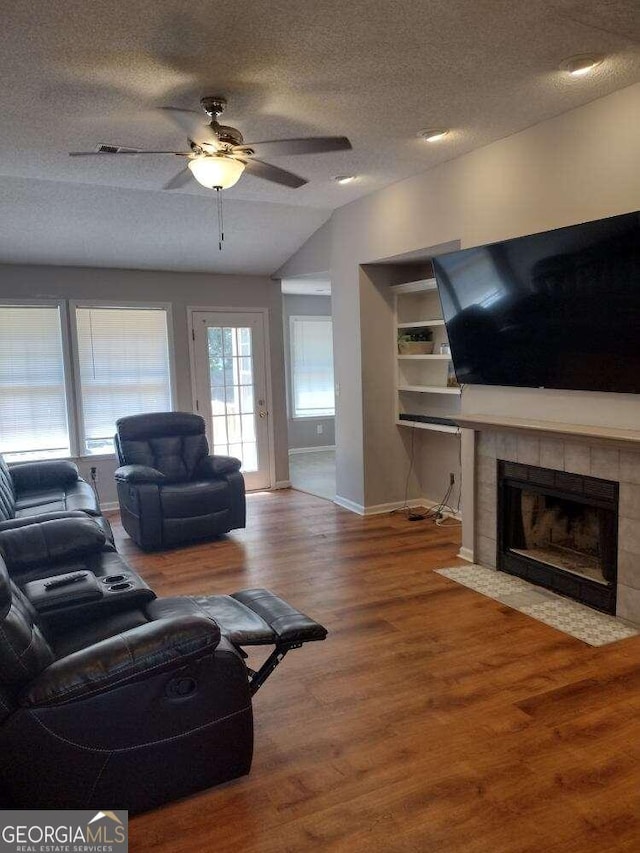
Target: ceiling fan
[218,155]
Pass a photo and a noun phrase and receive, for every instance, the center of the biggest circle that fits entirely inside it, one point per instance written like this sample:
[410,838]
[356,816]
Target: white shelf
[437,356]
[417,308]
[421,324]
[430,389]
[435,427]
[415,286]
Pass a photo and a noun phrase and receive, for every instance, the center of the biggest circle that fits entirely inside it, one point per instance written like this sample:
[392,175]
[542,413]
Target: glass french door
[231,389]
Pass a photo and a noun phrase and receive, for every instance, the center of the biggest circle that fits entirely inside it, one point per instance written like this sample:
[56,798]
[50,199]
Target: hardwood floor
[431,720]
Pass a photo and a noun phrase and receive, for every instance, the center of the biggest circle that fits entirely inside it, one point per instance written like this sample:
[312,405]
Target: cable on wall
[411,514]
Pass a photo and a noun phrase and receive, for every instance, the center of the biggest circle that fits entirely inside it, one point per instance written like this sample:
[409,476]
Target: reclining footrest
[288,624]
[290,627]
[257,617]
[252,617]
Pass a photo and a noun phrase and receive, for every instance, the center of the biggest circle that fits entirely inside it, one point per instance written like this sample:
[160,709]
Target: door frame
[265,312]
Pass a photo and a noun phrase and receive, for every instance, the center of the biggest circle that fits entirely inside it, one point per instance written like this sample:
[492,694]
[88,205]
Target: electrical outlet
[452,479]
[94,472]
[319,429]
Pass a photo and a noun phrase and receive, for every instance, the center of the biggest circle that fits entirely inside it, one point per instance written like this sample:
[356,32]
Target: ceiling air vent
[116,149]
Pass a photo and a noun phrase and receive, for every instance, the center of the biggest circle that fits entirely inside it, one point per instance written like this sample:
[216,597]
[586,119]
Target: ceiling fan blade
[178,181]
[193,123]
[308,145]
[272,173]
[127,151]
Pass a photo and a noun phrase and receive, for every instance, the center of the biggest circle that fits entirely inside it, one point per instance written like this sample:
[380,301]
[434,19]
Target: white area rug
[583,623]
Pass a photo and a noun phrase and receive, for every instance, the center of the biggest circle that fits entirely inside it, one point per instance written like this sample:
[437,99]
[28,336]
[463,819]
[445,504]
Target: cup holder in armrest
[114,579]
[120,587]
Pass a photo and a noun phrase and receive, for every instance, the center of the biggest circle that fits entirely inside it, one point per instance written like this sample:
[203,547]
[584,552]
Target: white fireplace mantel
[612,436]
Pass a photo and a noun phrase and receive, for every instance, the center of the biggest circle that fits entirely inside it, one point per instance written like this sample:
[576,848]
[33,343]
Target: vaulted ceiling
[75,74]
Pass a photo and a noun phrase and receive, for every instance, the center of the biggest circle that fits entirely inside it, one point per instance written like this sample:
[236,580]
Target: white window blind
[312,367]
[33,409]
[123,356]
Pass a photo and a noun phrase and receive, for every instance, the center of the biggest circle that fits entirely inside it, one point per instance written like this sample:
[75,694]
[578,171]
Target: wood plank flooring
[432,719]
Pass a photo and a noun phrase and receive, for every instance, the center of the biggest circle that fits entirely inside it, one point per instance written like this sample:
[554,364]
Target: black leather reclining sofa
[45,490]
[111,697]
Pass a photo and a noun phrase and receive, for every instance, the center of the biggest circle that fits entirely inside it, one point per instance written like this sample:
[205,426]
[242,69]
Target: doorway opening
[308,344]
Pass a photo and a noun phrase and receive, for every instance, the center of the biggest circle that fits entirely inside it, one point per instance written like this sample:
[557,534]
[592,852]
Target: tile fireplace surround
[591,451]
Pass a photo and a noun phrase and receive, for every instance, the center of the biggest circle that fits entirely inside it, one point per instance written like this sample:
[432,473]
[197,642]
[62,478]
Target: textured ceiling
[75,74]
[49,222]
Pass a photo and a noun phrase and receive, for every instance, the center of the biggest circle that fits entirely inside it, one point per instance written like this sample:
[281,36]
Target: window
[33,407]
[123,366]
[312,367]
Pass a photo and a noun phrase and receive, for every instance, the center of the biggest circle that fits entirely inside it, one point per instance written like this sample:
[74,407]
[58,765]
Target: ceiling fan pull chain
[221,221]
[219,207]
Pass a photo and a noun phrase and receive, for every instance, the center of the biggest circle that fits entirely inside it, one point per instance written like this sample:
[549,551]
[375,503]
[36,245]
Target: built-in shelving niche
[423,381]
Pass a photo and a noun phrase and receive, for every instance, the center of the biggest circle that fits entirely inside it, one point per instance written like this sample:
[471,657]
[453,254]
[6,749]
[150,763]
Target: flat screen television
[559,309]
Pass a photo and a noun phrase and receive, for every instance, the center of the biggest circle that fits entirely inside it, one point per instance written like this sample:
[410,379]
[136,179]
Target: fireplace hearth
[559,530]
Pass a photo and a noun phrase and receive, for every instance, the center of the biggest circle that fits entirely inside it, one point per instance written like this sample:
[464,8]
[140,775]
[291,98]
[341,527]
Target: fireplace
[559,530]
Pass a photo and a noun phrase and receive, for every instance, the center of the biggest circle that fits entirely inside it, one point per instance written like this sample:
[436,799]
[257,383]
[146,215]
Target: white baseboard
[294,450]
[282,484]
[466,554]
[375,509]
[380,509]
[352,506]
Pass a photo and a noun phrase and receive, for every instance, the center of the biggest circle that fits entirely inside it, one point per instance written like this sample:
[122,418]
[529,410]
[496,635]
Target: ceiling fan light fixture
[579,66]
[433,135]
[216,172]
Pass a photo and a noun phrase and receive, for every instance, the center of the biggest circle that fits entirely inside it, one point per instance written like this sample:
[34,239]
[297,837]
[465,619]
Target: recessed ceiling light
[344,179]
[433,135]
[578,66]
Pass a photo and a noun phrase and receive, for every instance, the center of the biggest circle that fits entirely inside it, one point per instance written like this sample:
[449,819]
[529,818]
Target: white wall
[578,166]
[313,257]
[181,290]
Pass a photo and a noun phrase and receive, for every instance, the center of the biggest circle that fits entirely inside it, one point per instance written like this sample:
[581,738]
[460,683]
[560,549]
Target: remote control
[68,579]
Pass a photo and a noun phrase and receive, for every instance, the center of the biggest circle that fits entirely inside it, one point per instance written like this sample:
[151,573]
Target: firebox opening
[559,530]
[561,533]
